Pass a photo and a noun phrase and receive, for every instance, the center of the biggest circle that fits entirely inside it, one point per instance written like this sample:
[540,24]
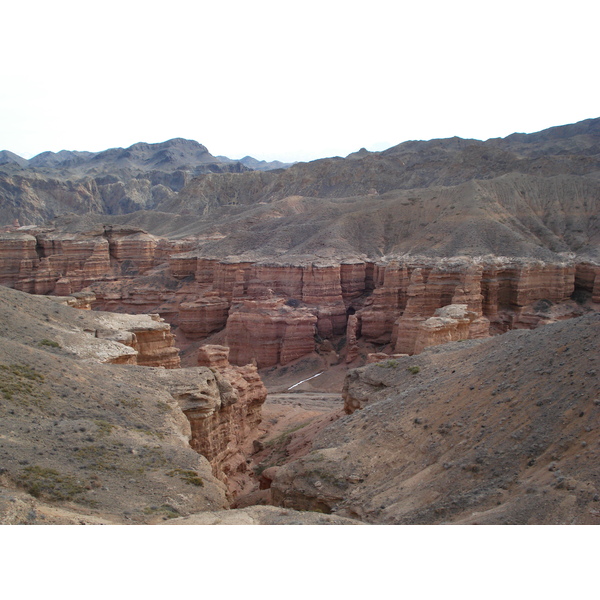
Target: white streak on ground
[309,378]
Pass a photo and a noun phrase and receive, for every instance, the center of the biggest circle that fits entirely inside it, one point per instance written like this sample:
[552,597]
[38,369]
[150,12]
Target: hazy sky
[291,80]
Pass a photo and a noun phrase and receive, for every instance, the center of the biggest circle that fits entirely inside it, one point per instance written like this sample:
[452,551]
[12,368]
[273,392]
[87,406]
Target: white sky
[291,80]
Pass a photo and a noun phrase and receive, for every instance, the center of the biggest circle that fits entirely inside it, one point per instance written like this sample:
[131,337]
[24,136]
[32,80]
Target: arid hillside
[501,431]
[448,290]
[530,195]
[86,442]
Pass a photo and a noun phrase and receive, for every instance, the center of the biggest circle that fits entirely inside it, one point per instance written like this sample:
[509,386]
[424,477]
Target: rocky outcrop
[43,261]
[144,340]
[213,355]
[200,318]
[352,334]
[272,312]
[387,302]
[17,252]
[440,288]
[132,249]
[449,324]
[269,332]
[223,405]
[391,300]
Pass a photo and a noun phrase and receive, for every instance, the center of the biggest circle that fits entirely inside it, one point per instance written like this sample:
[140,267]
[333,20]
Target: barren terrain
[424,319]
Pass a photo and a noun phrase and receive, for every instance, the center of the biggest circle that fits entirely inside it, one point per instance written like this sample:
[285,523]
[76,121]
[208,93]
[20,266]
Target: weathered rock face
[147,338]
[132,249]
[223,404]
[352,333]
[387,302]
[391,301]
[254,301]
[200,318]
[213,355]
[155,347]
[17,252]
[440,289]
[268,332]
[62,263]
[65,264]
[449,324]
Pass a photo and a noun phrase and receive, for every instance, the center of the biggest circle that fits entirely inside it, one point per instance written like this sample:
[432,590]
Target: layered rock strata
[274,313]
[223,404]
[269,332]
[147,339]
[42,261]
[392,302]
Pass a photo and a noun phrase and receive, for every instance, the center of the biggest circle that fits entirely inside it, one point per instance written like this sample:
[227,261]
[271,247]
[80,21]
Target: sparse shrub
[18,380]
[131,402]
[104,427]
[49,343]
[258,469]
[292,302]
[414,369]
[190,477]
[284,437]
[168,511]
[48,483]
[542,306]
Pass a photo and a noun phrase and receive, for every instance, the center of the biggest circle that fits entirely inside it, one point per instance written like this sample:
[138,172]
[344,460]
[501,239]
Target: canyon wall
[223,405]
[144,340]
[42,261]
[275,313]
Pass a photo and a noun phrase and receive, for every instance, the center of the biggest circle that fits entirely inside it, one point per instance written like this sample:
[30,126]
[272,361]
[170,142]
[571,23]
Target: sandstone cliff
[272,312]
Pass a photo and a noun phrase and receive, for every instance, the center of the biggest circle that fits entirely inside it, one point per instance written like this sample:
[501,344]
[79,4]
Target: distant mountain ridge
[527,195]
[173,154]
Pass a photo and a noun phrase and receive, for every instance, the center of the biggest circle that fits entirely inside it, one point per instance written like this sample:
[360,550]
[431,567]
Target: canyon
[249,300]
[272,314]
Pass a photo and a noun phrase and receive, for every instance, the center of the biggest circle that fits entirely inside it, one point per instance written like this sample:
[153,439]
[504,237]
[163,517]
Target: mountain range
[531,195]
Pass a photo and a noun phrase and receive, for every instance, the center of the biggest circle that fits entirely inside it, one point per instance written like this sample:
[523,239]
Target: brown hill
[497,431]
[525,195]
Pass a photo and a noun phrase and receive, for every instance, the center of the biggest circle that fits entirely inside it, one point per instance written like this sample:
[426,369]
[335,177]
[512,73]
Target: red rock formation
[36,263]
[155,347]
[148,335]
[352,333]
[80,300]
[133,249]
[183,265]
[269,332]
[223,404]
[587,279]
[353,279]
[321,288]
[17,253]
[200,318]
[374,357]
[387,302]
[449,324]
[392,300]
[430,291]
[212,355]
